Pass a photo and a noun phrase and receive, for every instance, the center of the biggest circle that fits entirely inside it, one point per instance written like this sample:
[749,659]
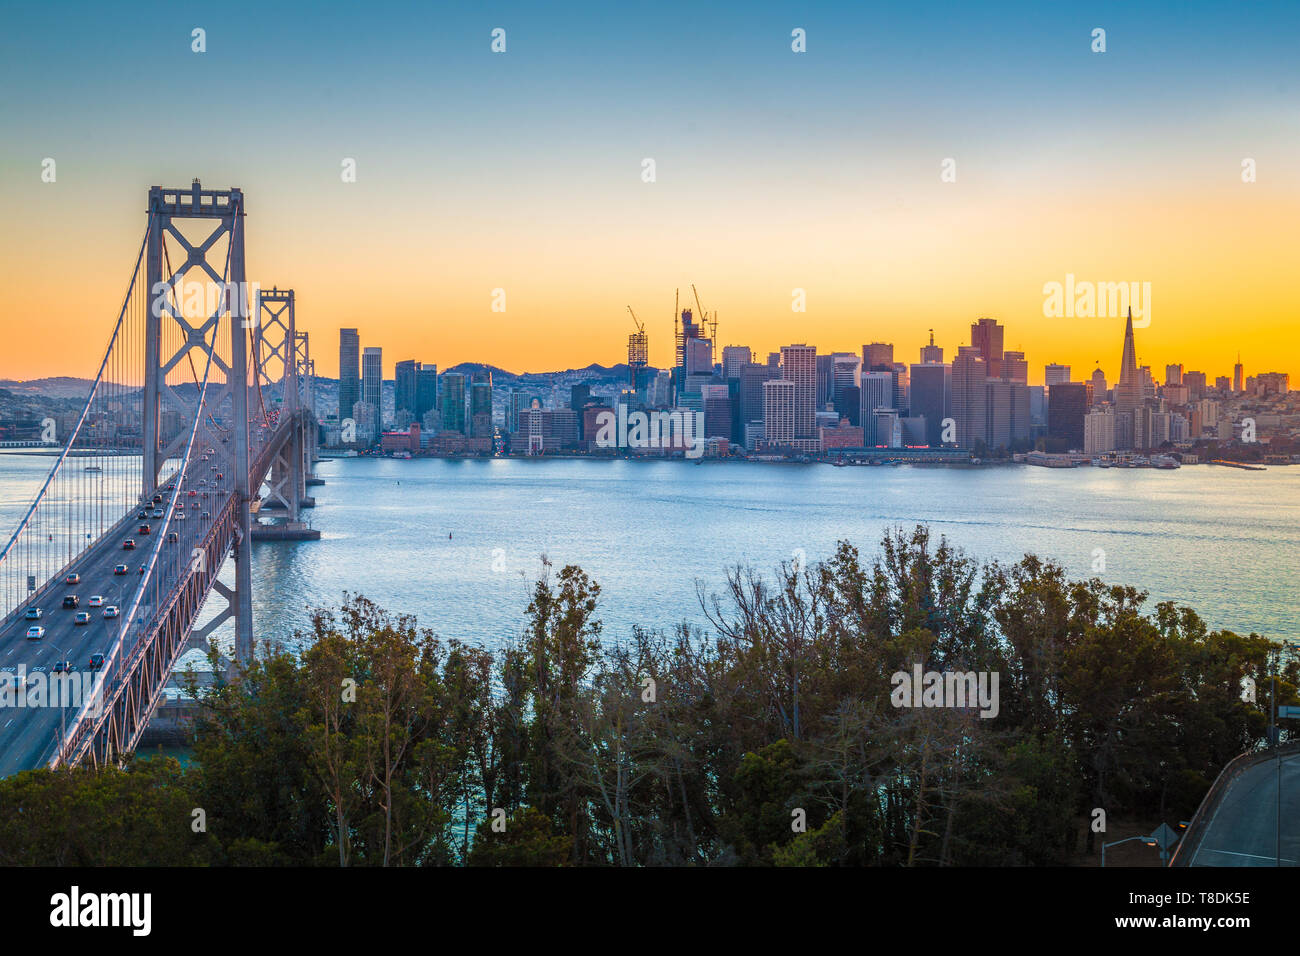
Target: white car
[35,632]
[83,617]
[110,611]
[97,600]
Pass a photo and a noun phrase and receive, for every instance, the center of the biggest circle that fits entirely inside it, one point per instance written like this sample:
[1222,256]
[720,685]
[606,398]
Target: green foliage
[382,745]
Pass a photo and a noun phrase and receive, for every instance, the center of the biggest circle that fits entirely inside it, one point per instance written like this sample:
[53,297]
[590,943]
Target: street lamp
[1148,840]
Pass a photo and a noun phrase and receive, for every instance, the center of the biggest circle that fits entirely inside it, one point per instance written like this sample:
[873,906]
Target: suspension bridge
[199,422]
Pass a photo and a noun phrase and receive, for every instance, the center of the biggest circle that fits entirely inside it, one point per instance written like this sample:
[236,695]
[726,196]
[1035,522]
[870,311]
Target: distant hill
[59,387]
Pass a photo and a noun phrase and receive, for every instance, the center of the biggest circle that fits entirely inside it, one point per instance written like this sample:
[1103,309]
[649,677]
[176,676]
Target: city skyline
[823,173]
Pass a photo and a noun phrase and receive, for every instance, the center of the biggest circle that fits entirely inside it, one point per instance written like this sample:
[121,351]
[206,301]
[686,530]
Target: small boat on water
[1101,462]
[1165,462]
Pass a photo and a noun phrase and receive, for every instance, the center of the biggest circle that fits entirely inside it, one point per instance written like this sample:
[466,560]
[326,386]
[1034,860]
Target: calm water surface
[456,543]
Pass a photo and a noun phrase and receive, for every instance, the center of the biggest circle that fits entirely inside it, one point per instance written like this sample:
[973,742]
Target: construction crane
[706,320]
[638,350]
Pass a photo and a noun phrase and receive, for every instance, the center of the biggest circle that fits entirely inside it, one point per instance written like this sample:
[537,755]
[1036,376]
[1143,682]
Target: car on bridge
[83,617]
[110,611]
[70,600]
[33,614]
[128,544]
[179,516]
[96,600]
[206,515]
[144,529]
[157,499]
[62,667]
[141,571]
[72,579]
[120,569]
[35,632]
[157,513]
[96,661]
[193,492]
[144,513]
[172,537]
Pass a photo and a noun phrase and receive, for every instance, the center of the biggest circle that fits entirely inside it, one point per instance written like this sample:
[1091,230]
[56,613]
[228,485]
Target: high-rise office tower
[1174,374]
[799,365]
[699,356]
[878,357]
[825,367]
[1066,411]
[579,395]
[372,381]
[1195,382]
[986,335]
[1238,381]
[846,372]
[734,358]
[480,405]
[779,401]
[970,396]
[453,402]
[1054,374]
[752,377]
[426,390]
[931,352]
[349,371]
[406,376]
[932,397]
[876,392]
[1015,368]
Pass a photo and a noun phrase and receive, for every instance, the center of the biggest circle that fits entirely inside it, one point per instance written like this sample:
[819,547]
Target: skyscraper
[372,381]
[779,401]
[1054,374]
[349,371]
[734,358]
[426,390]
[1129,392]
[846,372]
[1066,411]
[799,365]
[1098,386]
[877,392]
[453,402]
[480,405]
[1174,374]
[986,335]
[1238,382]
[406,388]
[931,352]
[970,396]
[878,357]
[932,397]
[1015,368]
[752,377]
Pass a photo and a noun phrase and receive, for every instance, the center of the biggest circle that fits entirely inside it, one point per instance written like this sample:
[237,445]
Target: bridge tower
[226,415]
[278,364]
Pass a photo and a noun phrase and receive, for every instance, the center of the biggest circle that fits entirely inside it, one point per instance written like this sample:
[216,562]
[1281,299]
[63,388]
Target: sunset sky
[775,171]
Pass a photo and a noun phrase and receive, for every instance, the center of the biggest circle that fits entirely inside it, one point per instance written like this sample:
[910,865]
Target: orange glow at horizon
[420,285]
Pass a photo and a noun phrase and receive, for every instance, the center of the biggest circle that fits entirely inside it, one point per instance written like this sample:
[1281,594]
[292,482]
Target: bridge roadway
[30,735]
[1242,825]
